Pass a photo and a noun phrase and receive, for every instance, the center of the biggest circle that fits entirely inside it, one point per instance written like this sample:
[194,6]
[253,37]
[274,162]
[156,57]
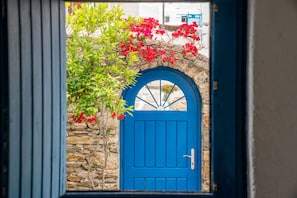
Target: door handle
[192,157]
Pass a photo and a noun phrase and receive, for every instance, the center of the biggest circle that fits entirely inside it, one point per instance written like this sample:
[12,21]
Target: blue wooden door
[161,142]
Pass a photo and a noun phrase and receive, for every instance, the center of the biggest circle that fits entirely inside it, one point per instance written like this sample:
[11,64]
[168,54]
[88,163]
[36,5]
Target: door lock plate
[192,157]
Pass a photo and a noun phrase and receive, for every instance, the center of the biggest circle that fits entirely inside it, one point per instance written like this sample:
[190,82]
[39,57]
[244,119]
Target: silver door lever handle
[192,157]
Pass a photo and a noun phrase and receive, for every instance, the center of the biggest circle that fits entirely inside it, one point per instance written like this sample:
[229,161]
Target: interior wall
[273,98]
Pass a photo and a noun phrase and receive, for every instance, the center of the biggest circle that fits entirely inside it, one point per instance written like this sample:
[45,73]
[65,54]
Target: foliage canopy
[97,72]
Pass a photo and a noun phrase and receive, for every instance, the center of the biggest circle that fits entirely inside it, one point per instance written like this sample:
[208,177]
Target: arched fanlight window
[160,95]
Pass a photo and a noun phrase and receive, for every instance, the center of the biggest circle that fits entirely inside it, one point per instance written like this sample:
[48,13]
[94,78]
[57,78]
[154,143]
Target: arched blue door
[161,142]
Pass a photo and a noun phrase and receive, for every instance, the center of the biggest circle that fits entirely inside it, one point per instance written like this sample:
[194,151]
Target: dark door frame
[229,24]
[3,102]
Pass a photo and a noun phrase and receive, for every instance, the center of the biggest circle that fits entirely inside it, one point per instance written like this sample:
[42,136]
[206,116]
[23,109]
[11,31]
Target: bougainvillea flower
[82,116]
[91,119]
[121,117]
[190,48]
[149,54]
[160,32]
[114,115]
[74,118]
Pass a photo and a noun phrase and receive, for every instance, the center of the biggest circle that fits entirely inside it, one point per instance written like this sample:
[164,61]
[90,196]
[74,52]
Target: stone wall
[85,153]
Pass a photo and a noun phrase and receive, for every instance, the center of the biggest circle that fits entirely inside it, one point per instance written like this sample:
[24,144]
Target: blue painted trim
[228,103]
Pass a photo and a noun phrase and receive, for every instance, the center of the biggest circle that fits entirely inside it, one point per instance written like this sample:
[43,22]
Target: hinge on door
[214,187]
[215,7]
[215,85]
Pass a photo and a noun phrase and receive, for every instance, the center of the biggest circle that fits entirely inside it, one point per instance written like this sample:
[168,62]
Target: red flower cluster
[170,57]
[186,30]
[145,27]
[128,47]
[140,31]
[160,32]
[82,117]
[149,53]
[190,48]
[119,117]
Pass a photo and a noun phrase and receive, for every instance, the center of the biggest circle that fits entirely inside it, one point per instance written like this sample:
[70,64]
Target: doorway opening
[180,102]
